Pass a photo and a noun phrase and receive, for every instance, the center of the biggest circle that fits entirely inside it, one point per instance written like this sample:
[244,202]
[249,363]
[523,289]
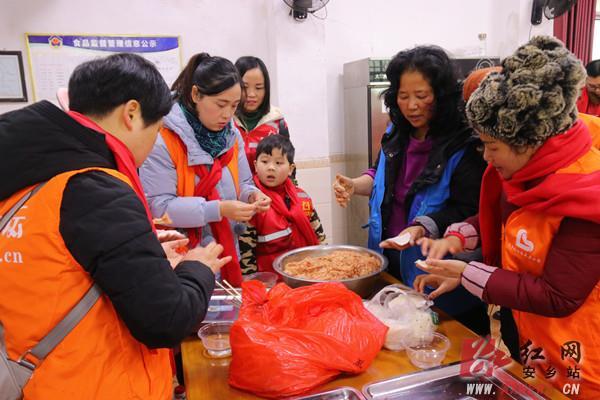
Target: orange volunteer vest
[186,177]
[526,242]
[593,124]
[40,282]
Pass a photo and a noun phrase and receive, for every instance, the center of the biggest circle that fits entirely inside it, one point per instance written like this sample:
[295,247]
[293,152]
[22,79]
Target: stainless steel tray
[445,382]
[221,308]
[343,393]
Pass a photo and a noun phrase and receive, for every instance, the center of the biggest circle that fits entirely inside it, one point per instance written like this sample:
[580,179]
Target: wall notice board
[52,58]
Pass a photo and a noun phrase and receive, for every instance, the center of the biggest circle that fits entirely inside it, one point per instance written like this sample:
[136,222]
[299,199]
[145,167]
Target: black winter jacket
[104,224]
[466,180]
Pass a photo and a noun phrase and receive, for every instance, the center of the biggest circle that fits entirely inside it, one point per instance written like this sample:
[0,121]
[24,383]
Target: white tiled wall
[338,214]
[317,181]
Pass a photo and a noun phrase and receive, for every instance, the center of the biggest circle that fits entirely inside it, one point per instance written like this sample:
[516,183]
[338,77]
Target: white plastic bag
[407,314]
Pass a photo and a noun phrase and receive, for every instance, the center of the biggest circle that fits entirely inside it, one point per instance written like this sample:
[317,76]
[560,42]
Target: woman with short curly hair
[428,172]
[539,216]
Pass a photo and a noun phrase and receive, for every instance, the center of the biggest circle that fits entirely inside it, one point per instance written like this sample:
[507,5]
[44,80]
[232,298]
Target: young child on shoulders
[291,222]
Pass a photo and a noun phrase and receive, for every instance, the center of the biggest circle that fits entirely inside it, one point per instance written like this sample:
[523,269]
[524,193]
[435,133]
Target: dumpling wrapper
[401,240]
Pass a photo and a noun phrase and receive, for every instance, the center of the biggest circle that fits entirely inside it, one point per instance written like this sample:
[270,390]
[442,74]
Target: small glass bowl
[215,338]
[427,353]
[268,278]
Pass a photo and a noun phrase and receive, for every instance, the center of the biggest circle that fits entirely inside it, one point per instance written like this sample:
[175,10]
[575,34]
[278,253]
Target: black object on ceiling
[550,9]
[299,9]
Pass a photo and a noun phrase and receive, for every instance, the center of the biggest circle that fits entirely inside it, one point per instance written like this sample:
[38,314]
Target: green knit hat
[534,96]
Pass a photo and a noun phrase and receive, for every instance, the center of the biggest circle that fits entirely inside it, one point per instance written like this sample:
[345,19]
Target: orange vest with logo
[527,240]
[593,124]
[275,233]
[186,177]
[40,282]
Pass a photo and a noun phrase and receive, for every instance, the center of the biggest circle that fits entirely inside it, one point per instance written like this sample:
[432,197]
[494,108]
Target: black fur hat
[534,96]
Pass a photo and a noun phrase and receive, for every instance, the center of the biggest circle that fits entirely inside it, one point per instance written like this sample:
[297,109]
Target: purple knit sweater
[414,162]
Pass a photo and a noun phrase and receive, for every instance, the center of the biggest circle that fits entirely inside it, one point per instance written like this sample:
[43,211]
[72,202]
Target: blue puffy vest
[428,200]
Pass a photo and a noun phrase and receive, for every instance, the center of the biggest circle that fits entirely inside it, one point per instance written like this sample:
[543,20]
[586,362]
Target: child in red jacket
[291,222]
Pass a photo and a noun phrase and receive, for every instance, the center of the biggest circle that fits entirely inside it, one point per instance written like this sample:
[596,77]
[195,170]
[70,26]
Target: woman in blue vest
[428,172]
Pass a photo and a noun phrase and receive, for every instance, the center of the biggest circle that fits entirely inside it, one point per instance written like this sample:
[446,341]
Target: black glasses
[593,88]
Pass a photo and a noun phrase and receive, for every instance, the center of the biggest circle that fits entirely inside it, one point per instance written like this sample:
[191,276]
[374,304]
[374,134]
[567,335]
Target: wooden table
[206,378]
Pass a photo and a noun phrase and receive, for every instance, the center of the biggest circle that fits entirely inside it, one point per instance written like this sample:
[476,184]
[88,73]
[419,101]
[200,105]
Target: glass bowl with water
[428,352]
[215,338]
[268,278]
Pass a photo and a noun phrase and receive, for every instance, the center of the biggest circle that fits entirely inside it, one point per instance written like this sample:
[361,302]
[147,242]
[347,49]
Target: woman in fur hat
[539,215]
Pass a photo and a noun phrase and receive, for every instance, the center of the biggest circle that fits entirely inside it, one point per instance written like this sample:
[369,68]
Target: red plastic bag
[291,340]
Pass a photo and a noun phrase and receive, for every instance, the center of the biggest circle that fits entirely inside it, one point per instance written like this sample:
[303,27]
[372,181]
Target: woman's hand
[343,188]
[260,200]
[437,249]
[173,250]
[447,268]
[407,238]
[236,210]
[442,284]
[208,256]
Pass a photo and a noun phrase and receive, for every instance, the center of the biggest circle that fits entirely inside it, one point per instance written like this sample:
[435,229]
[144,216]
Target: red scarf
[221,230]
[585,106]
[302,232]
[567,195]
[123,157]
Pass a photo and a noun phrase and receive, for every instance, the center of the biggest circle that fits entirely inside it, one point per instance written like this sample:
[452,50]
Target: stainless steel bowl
[363,286]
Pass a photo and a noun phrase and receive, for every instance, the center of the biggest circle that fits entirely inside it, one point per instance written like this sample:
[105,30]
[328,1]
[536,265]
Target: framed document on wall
[53,57]
[12,77]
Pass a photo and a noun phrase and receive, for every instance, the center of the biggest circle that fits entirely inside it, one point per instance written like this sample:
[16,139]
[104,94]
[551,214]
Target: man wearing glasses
[589,102]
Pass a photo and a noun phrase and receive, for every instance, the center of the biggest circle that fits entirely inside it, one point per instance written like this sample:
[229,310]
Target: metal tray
[220,308]
[343,393]
[445,382]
